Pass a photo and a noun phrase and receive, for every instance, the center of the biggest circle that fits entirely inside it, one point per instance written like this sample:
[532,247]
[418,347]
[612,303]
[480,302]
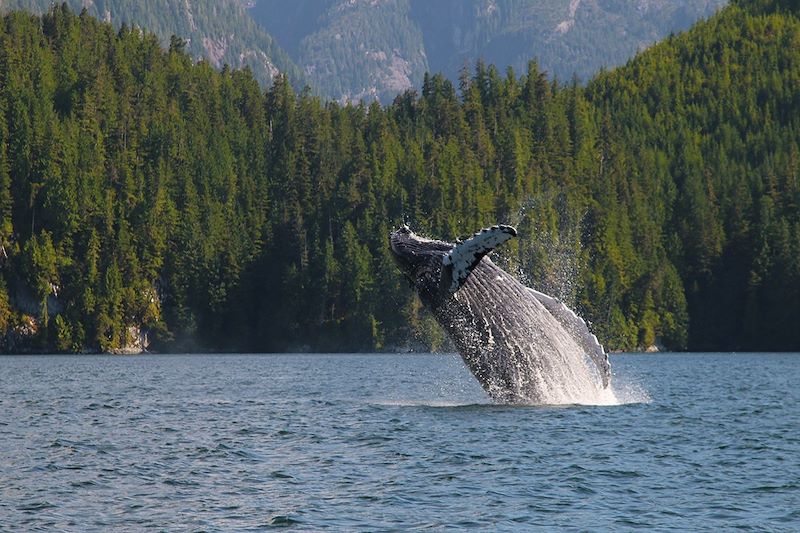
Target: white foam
[628,391]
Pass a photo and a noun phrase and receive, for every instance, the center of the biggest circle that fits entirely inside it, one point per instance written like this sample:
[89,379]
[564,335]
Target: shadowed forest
[140,191]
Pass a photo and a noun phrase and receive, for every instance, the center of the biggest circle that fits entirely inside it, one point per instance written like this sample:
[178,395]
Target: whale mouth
[394,242]
[404,241]
[403,252]
[398,238]
[410,250]
[408,246]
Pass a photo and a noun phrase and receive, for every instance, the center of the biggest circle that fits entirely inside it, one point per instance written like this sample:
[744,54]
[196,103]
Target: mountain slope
[377,48]
[363,49]
[565,36]
[217,30]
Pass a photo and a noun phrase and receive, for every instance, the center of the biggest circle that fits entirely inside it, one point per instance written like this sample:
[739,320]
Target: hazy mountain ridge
[217,30]
[350,49]
[567,36]
[362,48]
[347,56]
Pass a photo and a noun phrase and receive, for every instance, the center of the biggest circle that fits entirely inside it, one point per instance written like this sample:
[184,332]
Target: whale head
[437,269]
[420,260]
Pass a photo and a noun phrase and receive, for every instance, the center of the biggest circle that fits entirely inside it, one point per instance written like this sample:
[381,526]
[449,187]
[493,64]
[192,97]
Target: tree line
[142,191]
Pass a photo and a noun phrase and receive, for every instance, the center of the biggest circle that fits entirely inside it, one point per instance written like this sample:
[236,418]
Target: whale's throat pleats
[459,263]
[579,330]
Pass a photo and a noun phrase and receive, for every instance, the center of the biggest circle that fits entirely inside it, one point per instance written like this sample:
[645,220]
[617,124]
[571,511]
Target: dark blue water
[383,442]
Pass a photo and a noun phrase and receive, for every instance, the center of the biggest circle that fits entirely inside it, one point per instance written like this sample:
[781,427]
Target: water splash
[629,391]
[524,347]
[442,381]
[549,257]
[550,260]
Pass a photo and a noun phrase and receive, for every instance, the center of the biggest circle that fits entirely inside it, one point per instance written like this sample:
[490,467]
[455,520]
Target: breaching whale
[522,345]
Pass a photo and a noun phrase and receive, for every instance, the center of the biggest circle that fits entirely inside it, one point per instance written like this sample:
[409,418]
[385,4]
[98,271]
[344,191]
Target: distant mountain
[350,50]
[217,30]
[566,36]
[354,49]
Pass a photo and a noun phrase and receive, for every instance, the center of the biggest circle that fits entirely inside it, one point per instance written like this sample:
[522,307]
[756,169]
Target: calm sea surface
[392,442]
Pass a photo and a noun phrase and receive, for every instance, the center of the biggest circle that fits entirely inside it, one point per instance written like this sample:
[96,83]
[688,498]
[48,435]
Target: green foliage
[39,265]
[5,306]
[768,6]
[140,190]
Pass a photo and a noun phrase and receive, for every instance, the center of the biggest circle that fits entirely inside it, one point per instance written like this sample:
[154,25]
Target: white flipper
[580,332]
[461,260]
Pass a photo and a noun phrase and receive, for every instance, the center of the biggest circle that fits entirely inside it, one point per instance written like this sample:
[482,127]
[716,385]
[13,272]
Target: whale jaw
[420,261]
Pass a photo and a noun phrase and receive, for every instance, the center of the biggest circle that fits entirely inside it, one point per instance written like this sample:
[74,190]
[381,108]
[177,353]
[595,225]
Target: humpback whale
[523,346]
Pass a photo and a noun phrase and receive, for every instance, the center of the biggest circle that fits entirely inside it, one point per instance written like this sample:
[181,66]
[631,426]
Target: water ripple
[408,442]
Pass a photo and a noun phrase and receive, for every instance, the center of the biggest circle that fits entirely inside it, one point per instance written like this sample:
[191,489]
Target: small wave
[487,405]
[35,506]
[174,482]
[282,520]
[776,488]
[428,403]
[84,484]
[622,391]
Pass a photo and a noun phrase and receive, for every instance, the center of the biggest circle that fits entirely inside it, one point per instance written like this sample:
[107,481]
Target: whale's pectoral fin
[577,327]
[465,256]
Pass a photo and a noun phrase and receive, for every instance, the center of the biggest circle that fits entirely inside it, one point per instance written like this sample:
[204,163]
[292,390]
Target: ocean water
[698,442]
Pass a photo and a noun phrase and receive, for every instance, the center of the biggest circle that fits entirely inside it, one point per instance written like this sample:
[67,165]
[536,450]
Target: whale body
[523,346]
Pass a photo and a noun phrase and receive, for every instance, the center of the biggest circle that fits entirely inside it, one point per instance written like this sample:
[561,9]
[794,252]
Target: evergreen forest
[141,192]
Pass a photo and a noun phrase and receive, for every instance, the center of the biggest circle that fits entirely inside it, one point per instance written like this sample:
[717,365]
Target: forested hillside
[710,121]
[220,31]
[140,191]
[352,49]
